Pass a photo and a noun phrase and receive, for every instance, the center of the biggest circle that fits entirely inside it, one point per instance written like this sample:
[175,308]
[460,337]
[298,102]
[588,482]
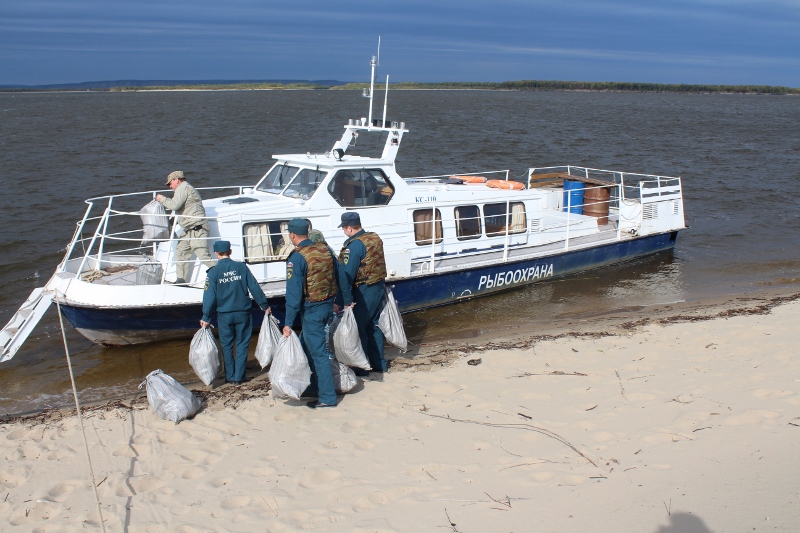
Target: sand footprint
[149,483]
[220,482]
[351,426]
[15,476]
[124,451]
[378,498]
[286,415]
[235,502]
[194,472]
[364,445]
[319,478]
[751,417]
[17,434]
[58,455]
[173,437]
[60,492]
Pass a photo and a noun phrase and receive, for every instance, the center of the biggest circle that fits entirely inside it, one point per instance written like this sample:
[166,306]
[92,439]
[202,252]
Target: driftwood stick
[526,427]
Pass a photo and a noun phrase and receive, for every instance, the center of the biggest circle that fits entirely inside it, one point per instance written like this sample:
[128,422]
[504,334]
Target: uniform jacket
[186,202]
[227,287]
[361,261]
[303,279]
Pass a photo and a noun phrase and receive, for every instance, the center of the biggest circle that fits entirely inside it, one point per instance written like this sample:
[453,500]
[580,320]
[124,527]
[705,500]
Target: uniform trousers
[367,312]
[192,241]
[235,328]
[314,318]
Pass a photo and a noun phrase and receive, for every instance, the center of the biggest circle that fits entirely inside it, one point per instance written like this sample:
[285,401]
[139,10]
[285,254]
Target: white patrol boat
[446,238]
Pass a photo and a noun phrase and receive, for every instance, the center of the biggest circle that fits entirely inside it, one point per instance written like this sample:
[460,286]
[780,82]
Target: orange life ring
[470,179]
[505,184]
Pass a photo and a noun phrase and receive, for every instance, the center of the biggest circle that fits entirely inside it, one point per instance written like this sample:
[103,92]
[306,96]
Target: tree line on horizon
[520,85]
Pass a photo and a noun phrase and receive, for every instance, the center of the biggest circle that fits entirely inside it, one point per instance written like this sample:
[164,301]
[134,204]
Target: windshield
[277,178]
[305,183]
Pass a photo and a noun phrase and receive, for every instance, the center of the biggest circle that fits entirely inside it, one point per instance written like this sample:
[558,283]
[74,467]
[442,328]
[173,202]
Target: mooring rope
[80,417]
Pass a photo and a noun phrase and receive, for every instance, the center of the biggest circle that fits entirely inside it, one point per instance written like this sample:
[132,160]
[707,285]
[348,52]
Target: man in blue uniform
[362,271]
[225,292]
[311,288]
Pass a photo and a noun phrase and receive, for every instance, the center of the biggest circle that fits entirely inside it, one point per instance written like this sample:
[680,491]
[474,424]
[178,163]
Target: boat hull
[122,326]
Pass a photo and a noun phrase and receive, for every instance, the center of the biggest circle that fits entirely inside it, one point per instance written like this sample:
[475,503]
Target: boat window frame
[323,173]
[331,188]
[423,240]
[508,213]
[478,219]
[284,164]
[282,244]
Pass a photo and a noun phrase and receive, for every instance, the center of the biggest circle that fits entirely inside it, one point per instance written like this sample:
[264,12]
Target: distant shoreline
[522,85]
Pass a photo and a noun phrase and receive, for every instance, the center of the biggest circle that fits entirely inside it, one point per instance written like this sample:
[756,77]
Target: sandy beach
[672,425]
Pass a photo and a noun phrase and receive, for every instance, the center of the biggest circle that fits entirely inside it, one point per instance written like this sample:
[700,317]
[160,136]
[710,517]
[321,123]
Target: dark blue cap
[222,247]
[298,226]
[350,219]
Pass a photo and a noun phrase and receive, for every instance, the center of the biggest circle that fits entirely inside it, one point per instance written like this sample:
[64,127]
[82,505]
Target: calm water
[739,157]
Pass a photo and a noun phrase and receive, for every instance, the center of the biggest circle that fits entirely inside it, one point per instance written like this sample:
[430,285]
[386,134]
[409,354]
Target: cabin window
[267,242]
[424,226]
[305,183]
[497,218]
[468,222]
[277,178]
[361,188]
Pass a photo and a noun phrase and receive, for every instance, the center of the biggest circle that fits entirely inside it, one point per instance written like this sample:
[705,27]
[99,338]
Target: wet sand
[678,418]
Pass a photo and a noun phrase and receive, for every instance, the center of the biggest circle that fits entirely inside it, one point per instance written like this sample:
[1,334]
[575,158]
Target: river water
[738,155]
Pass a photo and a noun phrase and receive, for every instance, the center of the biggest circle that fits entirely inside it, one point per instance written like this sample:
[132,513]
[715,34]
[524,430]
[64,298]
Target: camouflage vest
[320,281]
[373,267]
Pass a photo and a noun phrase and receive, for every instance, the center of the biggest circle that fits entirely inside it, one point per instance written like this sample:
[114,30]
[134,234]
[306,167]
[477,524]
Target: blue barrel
[573,196]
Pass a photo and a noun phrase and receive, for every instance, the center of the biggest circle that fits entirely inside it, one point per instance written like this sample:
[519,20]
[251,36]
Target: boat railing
[101,238]
[117,234]
[504,173]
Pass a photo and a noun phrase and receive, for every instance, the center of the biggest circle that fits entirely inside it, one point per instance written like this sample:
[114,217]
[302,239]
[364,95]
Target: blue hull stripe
[411,294]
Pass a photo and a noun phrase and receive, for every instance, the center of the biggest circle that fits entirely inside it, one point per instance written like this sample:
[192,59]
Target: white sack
[268,340]
[204,356]
[168,398]
[289,374]
[149,273]
[391,323]
[344,379]
[347,344]
[154,219]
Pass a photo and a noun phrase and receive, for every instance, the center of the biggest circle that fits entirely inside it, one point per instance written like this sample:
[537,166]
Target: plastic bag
[391,323]
[168,398]
[204,356]
[290,374]
[149,273]
[154,220]
[268,340]
[347,344]
[344,379]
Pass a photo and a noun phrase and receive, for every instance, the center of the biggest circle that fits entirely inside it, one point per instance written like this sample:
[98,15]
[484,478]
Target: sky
[660,41]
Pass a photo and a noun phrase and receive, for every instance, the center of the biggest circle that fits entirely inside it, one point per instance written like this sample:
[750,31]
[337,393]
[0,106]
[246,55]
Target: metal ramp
[22,323]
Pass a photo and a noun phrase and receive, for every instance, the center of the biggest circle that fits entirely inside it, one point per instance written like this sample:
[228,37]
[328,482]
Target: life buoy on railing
[505,184]
[470,179]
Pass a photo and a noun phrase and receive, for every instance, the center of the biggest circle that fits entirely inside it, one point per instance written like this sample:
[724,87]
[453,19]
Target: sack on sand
[168,398]
[347,344]
[154,219]
[149,273]
[268,340]
[344,379]
[391,323]
[204,356]
[290,374]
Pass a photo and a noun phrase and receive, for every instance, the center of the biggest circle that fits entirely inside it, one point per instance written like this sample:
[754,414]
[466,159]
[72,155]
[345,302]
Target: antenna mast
[374,63]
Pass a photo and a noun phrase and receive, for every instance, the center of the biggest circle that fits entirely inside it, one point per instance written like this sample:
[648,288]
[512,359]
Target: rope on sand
[80,417]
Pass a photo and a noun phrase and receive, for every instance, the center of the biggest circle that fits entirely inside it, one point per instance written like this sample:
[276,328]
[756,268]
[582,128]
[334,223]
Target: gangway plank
[23,322]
